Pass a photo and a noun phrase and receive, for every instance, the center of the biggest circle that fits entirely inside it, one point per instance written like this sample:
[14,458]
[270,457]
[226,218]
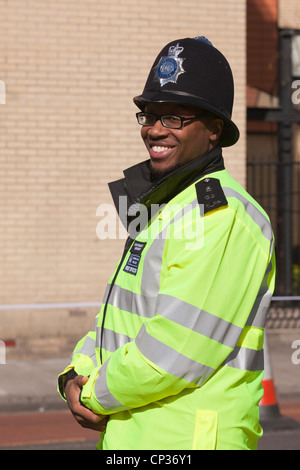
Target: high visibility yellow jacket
[176,358]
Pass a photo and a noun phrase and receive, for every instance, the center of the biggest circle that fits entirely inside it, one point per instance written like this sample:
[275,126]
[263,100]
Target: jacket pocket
[206,426]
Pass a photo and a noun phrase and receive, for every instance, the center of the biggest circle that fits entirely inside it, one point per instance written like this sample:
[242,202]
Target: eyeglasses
[168,120]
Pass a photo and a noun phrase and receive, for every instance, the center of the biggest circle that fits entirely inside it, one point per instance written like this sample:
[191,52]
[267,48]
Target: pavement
[30,385]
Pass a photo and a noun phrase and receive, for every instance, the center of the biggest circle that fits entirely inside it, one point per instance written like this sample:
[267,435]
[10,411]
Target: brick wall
[262,46]
[68,127]
[289,14]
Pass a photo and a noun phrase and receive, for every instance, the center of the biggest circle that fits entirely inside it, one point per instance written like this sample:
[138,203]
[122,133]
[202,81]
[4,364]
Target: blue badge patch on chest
[134,259]
[132,264]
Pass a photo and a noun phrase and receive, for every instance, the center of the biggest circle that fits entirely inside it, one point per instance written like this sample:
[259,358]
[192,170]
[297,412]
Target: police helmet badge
[170,66]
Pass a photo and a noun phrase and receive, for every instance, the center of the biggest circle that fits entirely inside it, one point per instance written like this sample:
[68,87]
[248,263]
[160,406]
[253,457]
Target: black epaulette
[210,195]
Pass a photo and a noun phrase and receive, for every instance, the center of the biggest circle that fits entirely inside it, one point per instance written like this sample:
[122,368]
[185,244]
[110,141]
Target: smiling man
[176,357]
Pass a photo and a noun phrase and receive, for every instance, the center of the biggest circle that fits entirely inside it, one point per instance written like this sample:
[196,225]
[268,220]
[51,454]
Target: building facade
[67,128]
[273,127]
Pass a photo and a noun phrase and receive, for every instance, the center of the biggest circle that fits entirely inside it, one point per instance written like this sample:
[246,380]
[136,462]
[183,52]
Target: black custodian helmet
[193,72]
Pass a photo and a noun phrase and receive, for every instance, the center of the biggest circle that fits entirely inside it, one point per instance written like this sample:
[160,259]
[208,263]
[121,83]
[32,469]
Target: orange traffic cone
[270,416]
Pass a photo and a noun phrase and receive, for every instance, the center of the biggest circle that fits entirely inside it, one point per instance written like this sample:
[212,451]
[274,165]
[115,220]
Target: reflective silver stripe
[245,359]
[105,294]
[152,268]
[112,340]
[153,258]
[198,320]
[178,311]
[105,398]
[257,217]
[171,360]
[88,349]
[259,310]
[137,304]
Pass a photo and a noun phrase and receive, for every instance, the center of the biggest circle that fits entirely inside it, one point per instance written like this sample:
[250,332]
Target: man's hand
[85,417]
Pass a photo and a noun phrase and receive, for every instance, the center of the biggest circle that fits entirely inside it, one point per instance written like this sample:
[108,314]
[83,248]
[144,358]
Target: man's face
[170,148]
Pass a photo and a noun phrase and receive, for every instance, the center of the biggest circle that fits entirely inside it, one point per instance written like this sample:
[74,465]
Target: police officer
[176,357]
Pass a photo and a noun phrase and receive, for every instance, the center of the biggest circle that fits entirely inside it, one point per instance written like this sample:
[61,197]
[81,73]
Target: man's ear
[216,130]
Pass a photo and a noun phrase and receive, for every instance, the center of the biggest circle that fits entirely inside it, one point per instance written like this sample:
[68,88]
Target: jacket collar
[139,187]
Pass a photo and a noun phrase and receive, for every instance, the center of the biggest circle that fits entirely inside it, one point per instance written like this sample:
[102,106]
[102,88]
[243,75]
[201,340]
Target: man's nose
[158,130]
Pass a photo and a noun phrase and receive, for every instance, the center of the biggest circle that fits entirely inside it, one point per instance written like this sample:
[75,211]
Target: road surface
[59,431]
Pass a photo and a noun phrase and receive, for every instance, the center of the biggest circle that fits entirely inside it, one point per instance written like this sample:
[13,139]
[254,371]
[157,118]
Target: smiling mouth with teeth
[160,149]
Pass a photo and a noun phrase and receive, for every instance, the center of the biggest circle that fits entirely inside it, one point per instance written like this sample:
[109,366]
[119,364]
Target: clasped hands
[85,417]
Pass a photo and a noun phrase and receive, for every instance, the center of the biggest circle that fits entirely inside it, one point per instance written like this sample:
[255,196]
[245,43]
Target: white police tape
[287,298]
[2,352]
[2,92]
[49,305]
[90,304]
